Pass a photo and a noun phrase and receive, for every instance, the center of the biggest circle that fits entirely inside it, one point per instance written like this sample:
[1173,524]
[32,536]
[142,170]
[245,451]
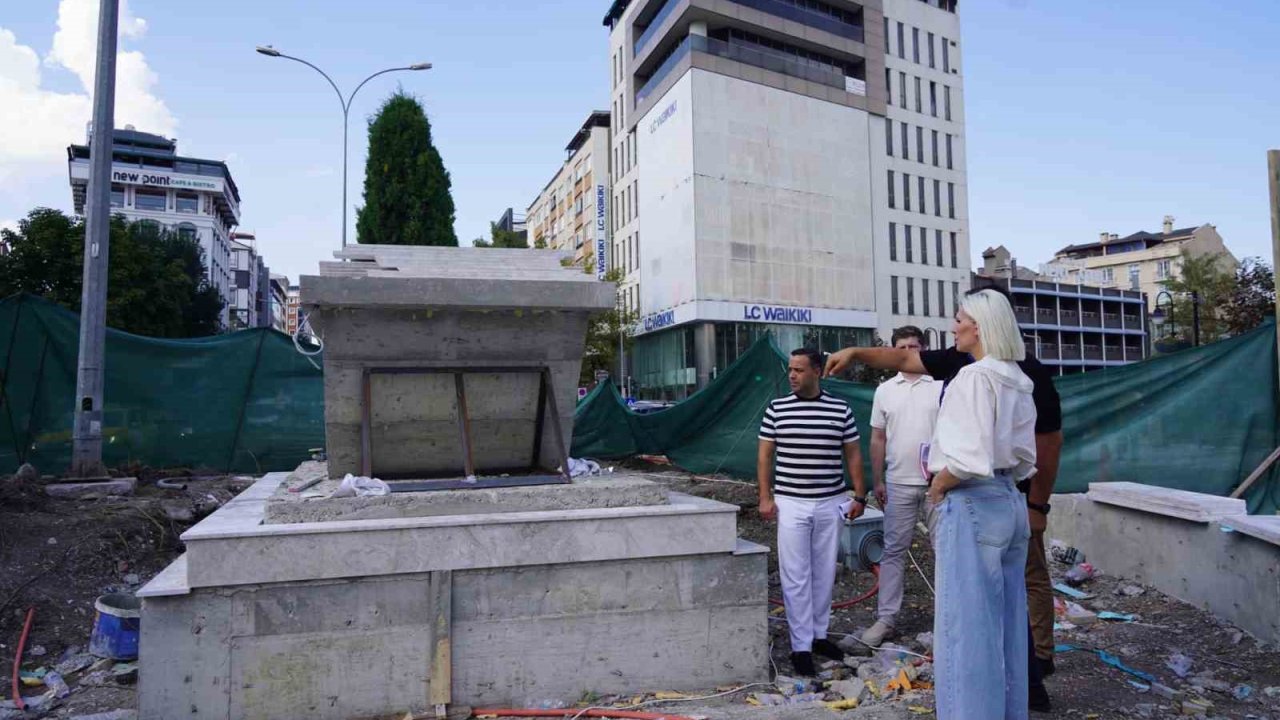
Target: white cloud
[9,225]
[37,124]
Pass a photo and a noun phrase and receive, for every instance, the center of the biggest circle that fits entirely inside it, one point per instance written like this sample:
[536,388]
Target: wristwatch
[1042,508]
[860,500]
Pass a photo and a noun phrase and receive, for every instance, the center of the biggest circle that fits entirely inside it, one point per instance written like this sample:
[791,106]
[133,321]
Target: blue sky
[1082,117]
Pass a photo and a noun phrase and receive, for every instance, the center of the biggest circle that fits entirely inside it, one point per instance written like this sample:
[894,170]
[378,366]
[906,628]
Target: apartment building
[571,212]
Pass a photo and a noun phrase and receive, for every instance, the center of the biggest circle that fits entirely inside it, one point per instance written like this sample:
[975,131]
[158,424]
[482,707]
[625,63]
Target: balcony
[1093,352]
[1045,316]
[1070,352]
[654,24]
[1089,318]
[775,62]
[1048,351]
[1132,322]
[1024,315]
[805,16]
[1069,318]
[1111,320]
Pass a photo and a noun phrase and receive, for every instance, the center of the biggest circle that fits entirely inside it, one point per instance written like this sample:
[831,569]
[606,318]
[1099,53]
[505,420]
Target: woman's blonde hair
[997,326]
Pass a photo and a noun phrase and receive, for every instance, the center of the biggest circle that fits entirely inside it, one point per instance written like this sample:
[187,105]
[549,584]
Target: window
[902,42]
[902,90]
[903,139]
[924,297]
[942,302]
[117,195]
[955,295]
[911,296]
[188,231]
[915,45]
[953,250]
[937,252]
[919,144]
[924,246]
[920,99]
[1135,276]
[951,200]
[906,236]
[946,102]
[891,200]
[942,336]
[906,193]
[1163,269]
[893,242]
[888,86]
[149,199]
[1108,275]
[886,36]
[888,137]
[937,198]
[933,98]
[893,293]
[931,50]
[946,56]
[949,165]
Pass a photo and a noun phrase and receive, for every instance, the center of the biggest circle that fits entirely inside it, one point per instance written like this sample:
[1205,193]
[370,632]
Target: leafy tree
[1210,277]
[603,334]
[156,284]
[1253,299]
[865,373]
[540,243]
[406,187]
[500,238]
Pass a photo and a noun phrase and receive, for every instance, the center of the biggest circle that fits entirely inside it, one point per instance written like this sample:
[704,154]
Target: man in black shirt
[943,365]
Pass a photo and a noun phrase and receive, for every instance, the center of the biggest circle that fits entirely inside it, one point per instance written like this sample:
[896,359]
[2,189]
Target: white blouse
[986,423]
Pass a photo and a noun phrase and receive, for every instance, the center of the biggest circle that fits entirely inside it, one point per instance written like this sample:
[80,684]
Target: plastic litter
[1140,686]
[353,486]
[1081,573]
[1118,617]
[56,685]
[75,663]
[1071,592]
[1064,553]
[1180,664]
[545,704]
[1132,590]
[1241,692]
[1115,662]
[1073,613]
[926,641]
[583,467]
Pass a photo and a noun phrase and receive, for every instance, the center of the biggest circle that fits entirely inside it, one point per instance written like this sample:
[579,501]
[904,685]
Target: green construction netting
[242,402]
[1200,419]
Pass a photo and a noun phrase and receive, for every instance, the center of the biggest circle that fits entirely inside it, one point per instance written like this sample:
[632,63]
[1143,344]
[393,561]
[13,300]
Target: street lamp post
[346,111]
[1195,318]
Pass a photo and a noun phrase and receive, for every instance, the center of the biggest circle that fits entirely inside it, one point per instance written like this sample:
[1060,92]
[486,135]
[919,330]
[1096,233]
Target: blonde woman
[983,443]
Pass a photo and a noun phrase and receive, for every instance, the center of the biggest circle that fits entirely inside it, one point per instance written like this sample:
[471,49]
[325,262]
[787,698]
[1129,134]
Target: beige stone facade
[1142,261]
[565,214]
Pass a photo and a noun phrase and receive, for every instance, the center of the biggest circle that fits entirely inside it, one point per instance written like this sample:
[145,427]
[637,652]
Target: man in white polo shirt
[902,418]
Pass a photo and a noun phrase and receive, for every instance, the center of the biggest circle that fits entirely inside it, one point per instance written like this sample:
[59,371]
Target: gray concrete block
[607,491]
[91,490]
[185,668]
[1233,575]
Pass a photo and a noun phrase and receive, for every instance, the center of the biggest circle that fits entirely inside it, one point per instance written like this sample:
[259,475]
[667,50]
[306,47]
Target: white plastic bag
[353,486]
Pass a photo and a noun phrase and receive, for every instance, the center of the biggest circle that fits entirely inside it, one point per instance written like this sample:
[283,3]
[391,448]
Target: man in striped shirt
[810,437]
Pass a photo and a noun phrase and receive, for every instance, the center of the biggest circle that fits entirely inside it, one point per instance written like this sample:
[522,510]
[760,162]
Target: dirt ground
[58,556]
[1082,687]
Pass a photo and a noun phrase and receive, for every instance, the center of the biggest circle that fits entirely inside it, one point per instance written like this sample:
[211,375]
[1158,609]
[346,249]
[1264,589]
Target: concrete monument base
[346,618]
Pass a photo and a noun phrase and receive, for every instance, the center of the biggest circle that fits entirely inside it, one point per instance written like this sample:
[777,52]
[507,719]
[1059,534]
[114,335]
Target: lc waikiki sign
[777,314]
[601,244]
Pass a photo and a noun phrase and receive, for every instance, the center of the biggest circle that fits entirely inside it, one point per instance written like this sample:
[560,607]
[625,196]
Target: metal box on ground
[862,541]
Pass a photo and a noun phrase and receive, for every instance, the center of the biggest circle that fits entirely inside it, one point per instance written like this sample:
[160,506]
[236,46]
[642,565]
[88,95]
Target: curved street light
[346,110]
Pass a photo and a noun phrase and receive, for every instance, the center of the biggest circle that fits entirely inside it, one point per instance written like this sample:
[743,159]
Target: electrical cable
[303,322]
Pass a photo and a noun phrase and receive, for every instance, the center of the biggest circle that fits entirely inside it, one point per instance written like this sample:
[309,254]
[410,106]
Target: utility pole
[1273,185]
[86,455]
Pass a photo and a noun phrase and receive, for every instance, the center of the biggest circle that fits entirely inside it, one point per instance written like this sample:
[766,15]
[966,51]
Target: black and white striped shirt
[810,437]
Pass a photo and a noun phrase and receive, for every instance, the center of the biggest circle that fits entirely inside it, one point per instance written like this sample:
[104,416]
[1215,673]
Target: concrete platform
[234,546]
[1230,565]
[608,491]
[338,619]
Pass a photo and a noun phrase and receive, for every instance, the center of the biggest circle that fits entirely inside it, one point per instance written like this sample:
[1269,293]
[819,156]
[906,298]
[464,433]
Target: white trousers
[808,544]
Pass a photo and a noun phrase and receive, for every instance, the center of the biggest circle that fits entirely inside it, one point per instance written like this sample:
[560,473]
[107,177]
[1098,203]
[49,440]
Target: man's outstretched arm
[881,358]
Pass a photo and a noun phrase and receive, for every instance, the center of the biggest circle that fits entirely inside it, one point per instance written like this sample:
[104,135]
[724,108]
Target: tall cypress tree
[407,198]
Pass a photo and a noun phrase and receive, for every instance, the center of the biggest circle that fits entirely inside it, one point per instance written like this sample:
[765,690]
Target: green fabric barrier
[241,402]
[1200,419]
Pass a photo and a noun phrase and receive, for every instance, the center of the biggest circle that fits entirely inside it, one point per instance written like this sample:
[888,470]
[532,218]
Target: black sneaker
[802,664]
[828,649]
[1046,666]
[1038,698]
